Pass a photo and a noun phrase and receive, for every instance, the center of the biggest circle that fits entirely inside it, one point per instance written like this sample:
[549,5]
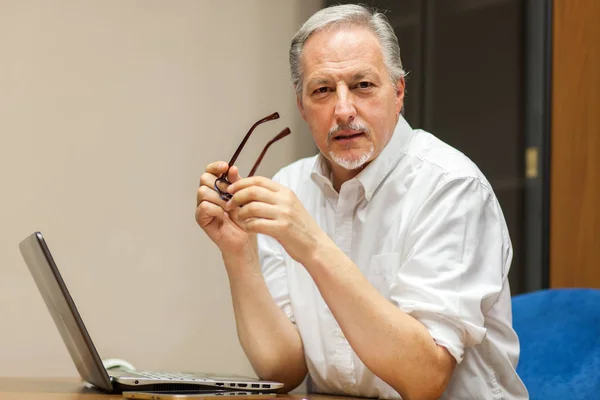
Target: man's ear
[400,86]
[299,104]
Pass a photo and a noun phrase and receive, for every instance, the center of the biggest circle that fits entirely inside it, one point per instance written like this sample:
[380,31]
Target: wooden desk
[74,389]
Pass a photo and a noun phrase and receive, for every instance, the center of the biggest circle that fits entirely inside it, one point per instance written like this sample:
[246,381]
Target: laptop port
[220,384]
[266,386]
[242,385]
[255,385]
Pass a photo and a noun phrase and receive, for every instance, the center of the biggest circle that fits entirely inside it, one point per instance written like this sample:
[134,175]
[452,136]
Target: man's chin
[350,162]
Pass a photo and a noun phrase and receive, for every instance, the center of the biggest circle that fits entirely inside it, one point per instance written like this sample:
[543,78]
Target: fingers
[263,226]
[208,193]
[213,171]
[217,168]
[256,210]
[253,181]
[207,181]
[234,174]
[249,195]
[206,212]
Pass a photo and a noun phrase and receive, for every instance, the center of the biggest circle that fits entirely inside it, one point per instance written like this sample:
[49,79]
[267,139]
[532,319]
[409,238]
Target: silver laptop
[83,352]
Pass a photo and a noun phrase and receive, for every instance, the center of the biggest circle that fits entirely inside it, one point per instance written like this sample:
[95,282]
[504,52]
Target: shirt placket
[343,354]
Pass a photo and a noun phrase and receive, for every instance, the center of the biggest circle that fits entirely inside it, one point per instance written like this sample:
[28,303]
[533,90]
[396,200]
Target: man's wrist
[244,259]
[318,252]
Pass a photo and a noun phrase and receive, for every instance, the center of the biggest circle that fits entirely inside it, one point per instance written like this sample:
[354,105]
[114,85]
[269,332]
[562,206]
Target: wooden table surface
[74,389]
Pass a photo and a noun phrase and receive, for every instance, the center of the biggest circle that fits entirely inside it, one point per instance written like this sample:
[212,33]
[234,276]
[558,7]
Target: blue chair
[559,331]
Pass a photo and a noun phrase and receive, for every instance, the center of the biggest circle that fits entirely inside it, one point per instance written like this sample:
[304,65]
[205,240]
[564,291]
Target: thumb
[234,174]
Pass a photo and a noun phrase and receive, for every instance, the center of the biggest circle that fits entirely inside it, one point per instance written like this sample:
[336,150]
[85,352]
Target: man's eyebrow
[319,81]
[361,75]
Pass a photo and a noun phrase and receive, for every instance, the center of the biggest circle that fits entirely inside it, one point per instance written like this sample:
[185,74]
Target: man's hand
[266,207]
[213,219]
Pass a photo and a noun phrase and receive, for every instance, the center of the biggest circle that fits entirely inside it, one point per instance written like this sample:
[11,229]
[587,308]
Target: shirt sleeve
[273,267]
[272,260]
[456,257]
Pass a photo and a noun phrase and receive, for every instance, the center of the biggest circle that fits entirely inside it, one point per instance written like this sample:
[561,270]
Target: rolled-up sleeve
[454,263]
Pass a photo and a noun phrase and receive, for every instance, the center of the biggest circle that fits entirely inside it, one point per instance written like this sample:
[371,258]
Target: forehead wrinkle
[335,47]
[344,55]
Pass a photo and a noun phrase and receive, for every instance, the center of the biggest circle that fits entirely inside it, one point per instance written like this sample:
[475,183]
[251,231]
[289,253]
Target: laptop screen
[62,308]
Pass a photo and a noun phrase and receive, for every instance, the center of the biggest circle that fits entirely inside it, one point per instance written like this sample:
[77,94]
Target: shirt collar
[321,172]
[372,176]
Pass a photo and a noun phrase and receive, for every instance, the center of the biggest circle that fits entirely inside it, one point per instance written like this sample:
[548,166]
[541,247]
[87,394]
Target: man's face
[348,99]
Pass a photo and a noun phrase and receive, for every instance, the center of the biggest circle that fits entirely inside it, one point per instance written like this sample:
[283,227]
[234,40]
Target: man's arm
[269,339]
[393,345]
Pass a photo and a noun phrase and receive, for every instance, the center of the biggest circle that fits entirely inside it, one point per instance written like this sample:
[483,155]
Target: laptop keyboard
[167,375]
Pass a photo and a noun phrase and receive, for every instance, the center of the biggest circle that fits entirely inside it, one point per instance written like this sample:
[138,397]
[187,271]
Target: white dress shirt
[422,223]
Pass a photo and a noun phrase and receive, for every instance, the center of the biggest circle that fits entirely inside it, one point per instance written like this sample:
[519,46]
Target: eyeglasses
[223,178]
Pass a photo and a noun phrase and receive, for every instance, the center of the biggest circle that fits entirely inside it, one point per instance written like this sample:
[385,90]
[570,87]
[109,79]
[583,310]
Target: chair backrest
[559,332]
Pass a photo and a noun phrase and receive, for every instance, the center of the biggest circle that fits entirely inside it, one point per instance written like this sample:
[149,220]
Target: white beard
[352,163]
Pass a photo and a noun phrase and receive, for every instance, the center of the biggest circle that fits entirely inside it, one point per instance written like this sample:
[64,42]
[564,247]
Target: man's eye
[364,85]
[322,90]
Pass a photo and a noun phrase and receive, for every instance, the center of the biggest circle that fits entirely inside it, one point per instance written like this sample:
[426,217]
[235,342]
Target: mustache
[354,126]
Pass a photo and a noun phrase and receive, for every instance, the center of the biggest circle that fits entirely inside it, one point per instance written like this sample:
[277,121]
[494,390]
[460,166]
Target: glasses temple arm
[280,136]
[271,117]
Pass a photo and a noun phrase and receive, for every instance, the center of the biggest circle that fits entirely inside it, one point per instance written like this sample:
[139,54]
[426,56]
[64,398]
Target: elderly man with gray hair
[380,266]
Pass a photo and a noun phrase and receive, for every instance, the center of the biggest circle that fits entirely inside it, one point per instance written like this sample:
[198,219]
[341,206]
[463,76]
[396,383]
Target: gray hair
[348,15]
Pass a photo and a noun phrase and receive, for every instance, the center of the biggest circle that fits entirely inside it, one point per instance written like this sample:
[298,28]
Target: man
[379,266]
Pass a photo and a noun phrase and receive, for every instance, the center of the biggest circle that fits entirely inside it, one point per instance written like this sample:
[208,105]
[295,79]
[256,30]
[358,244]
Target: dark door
[466,68]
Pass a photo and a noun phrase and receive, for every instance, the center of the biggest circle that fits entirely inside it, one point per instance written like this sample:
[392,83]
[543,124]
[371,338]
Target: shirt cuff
[445,334]
[289,313]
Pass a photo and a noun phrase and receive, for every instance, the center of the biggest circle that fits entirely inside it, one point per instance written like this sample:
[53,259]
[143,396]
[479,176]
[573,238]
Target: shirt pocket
[382,272]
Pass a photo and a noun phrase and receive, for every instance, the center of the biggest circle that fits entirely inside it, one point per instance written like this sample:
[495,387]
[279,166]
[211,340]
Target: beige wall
[109,111]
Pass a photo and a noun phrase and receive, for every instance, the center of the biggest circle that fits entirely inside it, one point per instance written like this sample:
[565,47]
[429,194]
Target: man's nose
[344,107]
